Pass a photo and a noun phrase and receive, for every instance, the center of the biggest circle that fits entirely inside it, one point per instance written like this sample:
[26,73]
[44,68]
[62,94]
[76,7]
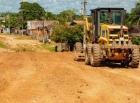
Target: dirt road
[45,77]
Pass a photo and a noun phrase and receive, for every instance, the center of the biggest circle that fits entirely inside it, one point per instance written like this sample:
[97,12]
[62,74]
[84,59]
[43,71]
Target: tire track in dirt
[113,78]
[44,77]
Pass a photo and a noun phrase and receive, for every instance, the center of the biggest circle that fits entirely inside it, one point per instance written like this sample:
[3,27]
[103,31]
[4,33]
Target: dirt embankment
[45,77]
[18,43]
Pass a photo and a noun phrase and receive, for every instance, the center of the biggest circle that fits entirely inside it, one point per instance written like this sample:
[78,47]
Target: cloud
[57,6]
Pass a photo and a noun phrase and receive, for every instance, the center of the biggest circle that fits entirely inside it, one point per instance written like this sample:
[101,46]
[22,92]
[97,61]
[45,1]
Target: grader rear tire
[77,49]
[87,54]
[95,56]
[135,58]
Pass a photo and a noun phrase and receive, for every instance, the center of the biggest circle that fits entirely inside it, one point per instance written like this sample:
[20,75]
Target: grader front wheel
[135,58]
[95,56]
[87,54]
[77,49]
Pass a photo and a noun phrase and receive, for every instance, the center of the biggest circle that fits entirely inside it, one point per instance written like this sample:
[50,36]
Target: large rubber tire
[95,55]
[135,58]
[87,54]
[77,49]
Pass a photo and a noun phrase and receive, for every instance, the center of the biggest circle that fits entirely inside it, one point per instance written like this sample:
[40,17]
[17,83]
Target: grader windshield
[113,17]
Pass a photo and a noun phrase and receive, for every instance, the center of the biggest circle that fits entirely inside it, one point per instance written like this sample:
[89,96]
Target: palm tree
[134,16]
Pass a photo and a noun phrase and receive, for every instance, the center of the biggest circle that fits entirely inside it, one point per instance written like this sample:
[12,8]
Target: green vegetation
[66,34]
[24,48]
[2,45]
[49,47]
[136,40]
[24,38]
[6,34]
[134,17]
[62,33]
[33,11]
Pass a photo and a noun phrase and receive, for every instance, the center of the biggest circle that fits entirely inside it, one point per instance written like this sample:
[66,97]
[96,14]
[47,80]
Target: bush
[67,34]
[136,40]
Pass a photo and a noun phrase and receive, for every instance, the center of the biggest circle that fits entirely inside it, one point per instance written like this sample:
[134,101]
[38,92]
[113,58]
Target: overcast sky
[57,6]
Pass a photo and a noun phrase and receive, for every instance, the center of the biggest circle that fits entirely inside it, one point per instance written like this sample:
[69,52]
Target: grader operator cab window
[104,17]
[111,17]
[116,17]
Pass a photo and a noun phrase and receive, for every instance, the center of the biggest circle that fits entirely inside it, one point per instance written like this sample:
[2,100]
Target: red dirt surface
[46,77]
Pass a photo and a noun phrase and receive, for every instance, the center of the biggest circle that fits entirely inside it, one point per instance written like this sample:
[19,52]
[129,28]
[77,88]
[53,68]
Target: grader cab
[108,40]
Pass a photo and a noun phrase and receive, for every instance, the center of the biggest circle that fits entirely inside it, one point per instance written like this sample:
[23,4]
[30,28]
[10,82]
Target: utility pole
[22,22]
[9,21]
[21,10]
[44,36]
[84,38]
[43,26]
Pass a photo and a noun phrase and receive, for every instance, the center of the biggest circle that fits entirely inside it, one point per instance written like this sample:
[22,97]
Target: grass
[24,37]
[49,47]
[24,48]
[2,45]
[39,47]
[6,34]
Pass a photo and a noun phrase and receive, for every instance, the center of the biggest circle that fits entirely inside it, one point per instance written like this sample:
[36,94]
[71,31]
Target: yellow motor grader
[108,40]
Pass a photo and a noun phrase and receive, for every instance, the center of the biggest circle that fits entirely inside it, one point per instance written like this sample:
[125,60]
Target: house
[40,29]
[79,22]
[134,31]
[1,29]
[74,22]
[15,30]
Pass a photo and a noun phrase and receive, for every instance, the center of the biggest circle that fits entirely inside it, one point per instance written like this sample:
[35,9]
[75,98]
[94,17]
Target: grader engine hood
[114,33]
[110,32]
[116,28]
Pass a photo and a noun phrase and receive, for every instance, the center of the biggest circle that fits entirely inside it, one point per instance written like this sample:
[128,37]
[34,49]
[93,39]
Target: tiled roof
[136,28]
[68,23]
[79,21]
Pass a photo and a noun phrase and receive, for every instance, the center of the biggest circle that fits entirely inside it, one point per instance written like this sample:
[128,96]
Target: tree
[50,16]
[70,35]
[10,19]
[134,17]
[30,11]
[66,16]
[136,40]
[13,19]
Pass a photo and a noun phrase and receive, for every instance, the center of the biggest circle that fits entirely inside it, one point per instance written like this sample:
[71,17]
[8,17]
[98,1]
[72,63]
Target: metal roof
[106,8]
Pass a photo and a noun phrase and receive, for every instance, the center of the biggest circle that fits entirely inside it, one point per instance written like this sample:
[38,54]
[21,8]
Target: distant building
[15,30]
[36,28]
[75,22]
[1,29]
[134,31]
